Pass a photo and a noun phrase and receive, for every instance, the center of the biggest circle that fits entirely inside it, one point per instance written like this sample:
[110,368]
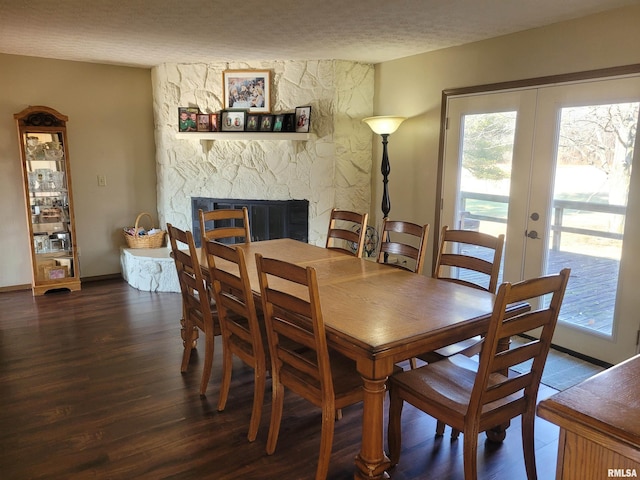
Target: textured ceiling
[150,32]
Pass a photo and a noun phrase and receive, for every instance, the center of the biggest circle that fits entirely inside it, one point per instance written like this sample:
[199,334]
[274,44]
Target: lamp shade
[384,125]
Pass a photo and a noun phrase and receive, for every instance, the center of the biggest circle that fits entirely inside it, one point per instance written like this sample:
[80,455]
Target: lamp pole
[385,169]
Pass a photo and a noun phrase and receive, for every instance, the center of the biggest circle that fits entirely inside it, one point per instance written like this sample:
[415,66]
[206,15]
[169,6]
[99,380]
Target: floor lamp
[384,126]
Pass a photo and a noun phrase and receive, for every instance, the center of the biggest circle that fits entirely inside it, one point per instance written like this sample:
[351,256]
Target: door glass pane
[485,178]
[593,167]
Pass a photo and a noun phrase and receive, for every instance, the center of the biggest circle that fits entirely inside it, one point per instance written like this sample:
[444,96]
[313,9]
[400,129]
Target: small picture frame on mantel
[214,121]
[188,119]
[278,122]
[253,122]
[204,122]
[289,122]
[303,119]
[233,120]
[266,123]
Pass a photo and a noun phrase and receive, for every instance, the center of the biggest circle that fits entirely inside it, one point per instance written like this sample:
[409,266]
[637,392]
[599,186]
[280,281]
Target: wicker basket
[155,240]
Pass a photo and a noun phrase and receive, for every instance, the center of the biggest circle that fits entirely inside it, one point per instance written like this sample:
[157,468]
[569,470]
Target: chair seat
[442,382]
[448,383]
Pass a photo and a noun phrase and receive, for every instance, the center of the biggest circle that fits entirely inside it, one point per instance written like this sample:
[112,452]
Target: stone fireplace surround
[331,169]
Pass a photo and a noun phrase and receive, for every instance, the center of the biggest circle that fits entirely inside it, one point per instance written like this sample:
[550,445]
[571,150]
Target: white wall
[331,169]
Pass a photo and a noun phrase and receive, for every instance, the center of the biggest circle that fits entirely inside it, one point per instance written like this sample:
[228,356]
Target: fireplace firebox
[268,219]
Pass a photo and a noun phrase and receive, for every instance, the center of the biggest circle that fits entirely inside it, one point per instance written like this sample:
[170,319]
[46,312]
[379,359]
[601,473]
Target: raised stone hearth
[149,269]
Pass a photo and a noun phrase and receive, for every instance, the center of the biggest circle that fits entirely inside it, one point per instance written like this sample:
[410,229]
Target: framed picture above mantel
[247,89]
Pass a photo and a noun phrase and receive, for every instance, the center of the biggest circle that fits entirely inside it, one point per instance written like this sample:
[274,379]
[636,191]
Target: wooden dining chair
[469,258]
[300,358]
[474,397]
[347,231]
[197,313]
[409,243]
[241,332]
[225,223]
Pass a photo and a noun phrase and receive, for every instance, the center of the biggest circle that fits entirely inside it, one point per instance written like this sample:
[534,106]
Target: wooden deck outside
[590,298]
[591,292]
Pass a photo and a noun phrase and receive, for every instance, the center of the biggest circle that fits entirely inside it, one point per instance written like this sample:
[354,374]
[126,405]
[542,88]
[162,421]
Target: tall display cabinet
[44,153]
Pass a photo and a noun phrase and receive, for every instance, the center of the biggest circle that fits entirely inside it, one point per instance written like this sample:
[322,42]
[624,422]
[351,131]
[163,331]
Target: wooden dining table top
[375,306]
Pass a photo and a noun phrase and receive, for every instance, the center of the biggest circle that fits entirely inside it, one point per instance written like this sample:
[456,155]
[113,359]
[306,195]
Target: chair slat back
[195,298]
[399,245]
[295,329]
[455,256]
[346,230]
[225,223]
[234,298]
[518,390]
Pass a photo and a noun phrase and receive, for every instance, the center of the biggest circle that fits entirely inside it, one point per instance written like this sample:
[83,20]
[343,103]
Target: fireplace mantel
[270,136]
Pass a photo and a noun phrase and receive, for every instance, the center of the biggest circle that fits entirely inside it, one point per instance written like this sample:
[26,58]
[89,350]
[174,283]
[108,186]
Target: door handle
[532,234]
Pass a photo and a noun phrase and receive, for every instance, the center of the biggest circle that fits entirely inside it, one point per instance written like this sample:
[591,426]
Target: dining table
[378,316]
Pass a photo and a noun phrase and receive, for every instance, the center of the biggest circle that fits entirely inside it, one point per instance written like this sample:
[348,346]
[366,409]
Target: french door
[551,168]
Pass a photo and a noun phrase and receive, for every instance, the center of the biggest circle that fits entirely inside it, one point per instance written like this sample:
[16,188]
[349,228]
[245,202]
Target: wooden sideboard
[599,422]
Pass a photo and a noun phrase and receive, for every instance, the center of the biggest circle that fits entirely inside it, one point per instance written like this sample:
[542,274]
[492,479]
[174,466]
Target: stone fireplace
[330,169]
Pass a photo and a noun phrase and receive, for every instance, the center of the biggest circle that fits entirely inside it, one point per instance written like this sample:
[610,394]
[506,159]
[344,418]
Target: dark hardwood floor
[90,387]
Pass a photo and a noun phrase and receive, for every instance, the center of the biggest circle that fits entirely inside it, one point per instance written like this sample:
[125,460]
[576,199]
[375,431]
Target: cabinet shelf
[268,136]
[49,193]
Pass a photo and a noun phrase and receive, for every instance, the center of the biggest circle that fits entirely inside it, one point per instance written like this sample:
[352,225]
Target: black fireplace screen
[268,219]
